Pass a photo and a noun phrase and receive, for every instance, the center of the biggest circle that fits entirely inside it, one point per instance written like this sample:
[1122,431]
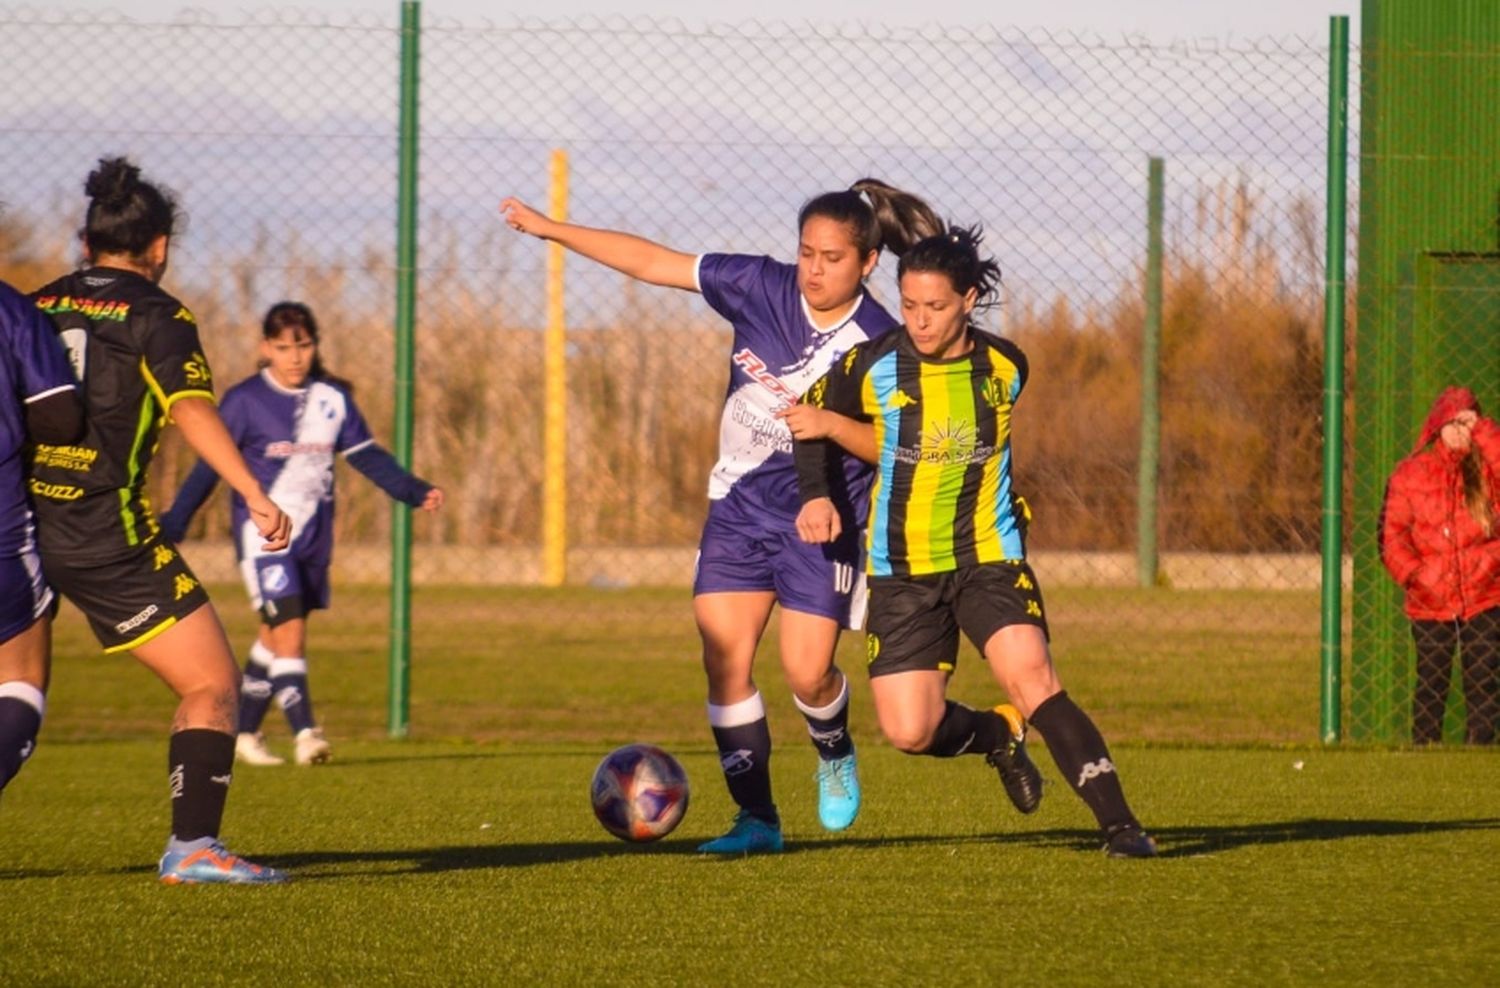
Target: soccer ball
[639,792]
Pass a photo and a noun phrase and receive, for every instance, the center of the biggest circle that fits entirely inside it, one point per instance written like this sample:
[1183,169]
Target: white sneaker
[311,748]
[251,749]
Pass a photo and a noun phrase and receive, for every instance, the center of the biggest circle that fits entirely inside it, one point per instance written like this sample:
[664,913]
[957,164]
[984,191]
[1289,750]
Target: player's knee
[913,738]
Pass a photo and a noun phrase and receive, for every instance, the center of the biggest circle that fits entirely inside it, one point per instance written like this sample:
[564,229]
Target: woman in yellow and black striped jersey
[931,408]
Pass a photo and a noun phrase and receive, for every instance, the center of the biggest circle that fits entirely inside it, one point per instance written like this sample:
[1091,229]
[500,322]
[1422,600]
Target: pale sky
[1160,20]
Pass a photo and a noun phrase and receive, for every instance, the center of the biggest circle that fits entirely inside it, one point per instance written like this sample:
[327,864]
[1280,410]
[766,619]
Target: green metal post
[399,703]
[1146,482]
[1330,727]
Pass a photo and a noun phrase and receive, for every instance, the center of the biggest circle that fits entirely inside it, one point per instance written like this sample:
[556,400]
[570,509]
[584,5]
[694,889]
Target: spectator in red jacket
[1440,539]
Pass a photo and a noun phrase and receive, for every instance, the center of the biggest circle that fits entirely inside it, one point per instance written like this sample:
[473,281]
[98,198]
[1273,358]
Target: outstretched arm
[642,259]
[205,432]
[377,463]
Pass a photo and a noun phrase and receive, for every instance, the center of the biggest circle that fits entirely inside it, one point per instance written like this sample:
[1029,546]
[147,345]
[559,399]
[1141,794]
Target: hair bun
[115,179]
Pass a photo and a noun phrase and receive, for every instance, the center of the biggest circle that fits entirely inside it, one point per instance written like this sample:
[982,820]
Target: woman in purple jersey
[791,323]
[289,421]
[38,403]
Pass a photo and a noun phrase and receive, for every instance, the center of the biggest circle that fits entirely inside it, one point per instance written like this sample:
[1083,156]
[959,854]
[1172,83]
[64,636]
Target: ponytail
[878,215]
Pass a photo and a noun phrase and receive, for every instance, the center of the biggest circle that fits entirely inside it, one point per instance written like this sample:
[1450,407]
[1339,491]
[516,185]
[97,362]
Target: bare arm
[811,422]
[642,259]
[205,432]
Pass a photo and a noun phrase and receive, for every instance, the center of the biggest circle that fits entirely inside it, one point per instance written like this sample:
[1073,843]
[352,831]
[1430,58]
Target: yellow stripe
[926,480]
[143,639]
[987,536]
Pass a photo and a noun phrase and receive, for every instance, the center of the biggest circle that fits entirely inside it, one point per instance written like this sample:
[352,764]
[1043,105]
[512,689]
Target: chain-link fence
[278,131]
[1429,317]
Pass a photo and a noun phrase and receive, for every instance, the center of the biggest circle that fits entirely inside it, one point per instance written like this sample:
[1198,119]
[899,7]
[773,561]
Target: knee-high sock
[744,741]
[1081,755]
[289,687]
[22,707]
[255,688]
[828,726]
[200,761]
[966,731]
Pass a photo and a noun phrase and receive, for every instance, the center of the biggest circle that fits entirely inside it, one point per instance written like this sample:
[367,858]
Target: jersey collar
[277,386]
[843,321]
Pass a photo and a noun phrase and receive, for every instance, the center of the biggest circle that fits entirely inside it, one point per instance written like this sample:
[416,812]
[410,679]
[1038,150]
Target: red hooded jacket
[1429,540]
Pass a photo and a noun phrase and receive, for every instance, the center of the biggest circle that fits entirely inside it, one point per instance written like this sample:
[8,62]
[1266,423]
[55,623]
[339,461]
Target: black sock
[21,707]
[745,755]
[1081,755]
[829,726]
[966,731]
[200,761]
[255,694]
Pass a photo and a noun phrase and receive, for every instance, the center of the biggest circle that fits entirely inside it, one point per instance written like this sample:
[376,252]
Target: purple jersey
[777,354]
[33,366]
[289,437]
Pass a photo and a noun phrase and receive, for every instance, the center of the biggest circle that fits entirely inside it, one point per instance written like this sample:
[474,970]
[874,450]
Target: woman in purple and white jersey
[38,403]
[791,323]
[289,421]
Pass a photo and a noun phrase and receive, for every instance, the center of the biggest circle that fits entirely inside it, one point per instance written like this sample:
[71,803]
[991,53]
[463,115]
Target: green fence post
[1330,727]
[1146,481]
[399,690]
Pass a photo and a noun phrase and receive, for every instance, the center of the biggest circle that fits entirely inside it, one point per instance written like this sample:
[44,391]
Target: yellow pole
[555,370]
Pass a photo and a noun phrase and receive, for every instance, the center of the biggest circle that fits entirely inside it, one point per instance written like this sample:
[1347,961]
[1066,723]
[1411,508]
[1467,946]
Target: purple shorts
[742,551]
[24,594]
[283,587]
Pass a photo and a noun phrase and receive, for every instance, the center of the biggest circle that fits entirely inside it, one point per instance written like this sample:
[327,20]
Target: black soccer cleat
[1018,773]
[1129,841]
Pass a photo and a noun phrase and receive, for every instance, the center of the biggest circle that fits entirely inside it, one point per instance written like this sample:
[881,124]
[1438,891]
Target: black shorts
[915,620]
[129,601]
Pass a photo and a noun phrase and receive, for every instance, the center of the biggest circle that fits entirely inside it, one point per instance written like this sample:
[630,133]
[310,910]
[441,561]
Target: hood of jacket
[1448,404]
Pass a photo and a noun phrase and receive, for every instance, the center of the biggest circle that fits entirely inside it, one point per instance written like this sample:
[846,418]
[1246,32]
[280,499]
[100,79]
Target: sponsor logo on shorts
[130,624]
[273,579]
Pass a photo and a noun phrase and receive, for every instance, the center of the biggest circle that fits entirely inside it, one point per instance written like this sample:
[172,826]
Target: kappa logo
[872,647]
[131,623]
[737,762]
[902,400]
[1092,770]
[826,738]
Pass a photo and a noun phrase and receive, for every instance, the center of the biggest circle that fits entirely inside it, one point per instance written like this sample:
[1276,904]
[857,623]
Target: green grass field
[468,855]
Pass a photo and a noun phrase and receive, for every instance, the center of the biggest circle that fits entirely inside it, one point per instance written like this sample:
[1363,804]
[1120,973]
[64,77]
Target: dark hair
[294,316]
[126,212]
[956,254]
[879,215]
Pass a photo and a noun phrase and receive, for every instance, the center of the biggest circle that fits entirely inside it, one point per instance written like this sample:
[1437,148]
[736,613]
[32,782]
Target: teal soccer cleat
[838,792]
[749,835]
[213,864]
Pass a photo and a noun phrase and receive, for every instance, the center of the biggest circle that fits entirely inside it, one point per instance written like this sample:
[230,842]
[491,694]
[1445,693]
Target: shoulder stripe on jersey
[698,273]
[358,447]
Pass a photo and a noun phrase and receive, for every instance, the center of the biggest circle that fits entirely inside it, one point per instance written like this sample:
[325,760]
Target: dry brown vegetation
[1240,385]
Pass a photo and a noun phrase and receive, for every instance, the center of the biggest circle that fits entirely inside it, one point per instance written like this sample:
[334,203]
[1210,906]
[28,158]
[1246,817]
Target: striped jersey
[776,355]
[942,495]
[135,352]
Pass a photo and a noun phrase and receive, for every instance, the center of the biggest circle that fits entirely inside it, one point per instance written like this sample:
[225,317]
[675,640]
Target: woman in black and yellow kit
[931,408]
[135,351]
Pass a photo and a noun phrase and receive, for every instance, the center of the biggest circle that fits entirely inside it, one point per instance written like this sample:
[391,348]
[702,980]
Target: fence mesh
[1429,318]
[278,132]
